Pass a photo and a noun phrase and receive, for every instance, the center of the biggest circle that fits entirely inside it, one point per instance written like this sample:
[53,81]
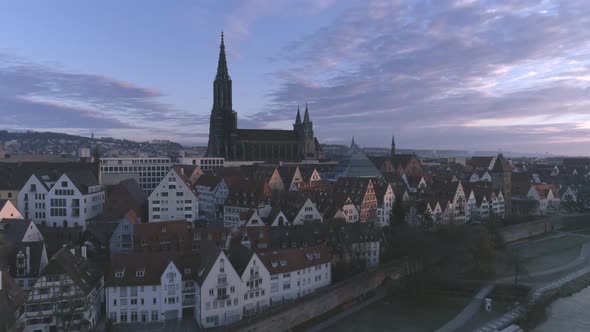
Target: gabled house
[296,272]
[385,198]
[209,187]
[150,286]
[362,193]
[269,175]
[297,208]
[67,296]
[546,196]
[25,251]
[251,218]
[244,194]
[75,198]
[290,176]
[174,198]
[254,276]
[219,292]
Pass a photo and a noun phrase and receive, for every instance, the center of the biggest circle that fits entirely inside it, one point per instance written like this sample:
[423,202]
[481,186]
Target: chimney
[83,250]
[28,253]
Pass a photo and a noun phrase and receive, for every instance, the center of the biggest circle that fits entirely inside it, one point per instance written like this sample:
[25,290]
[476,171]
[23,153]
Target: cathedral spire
[392,144]
[352,144]
[298,118]
[222,72]
[306,116]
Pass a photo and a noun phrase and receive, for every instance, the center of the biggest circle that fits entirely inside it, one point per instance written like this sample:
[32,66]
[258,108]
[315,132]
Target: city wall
[288,316]
[538,227]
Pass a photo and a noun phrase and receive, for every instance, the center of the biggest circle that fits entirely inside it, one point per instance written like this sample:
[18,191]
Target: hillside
[30,142]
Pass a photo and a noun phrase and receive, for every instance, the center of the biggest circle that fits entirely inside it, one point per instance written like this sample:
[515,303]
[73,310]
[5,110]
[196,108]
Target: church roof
[266,135]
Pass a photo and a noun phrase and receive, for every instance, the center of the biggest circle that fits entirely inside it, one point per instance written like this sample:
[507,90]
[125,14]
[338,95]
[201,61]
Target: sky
[463,74]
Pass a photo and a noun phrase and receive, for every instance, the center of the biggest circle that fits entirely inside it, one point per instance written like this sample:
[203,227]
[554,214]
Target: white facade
[384,210]
[31,199]
[151,171]
[203,162]
[297,282]
[307,212]
[146,303]
[66,206]
[220,295]
[367,251]
[173,199]
[256,286]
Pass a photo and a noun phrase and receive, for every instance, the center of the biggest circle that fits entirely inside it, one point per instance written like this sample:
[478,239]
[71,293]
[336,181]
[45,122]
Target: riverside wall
[300,311]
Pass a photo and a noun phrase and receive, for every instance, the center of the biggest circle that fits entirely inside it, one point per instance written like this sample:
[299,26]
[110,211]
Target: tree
[394,232]
[96,154]
[426,223]
[515,262]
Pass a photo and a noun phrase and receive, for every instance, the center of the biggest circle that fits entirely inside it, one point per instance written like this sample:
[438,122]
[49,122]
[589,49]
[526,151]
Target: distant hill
[31,142]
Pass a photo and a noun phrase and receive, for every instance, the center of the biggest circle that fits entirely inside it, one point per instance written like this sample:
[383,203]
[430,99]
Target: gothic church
[227,141]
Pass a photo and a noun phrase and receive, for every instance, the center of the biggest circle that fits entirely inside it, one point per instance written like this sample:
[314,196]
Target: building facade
[151,171]
[173,198]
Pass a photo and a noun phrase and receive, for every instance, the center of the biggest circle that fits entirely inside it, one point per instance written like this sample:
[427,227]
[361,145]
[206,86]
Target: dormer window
[140,273]
[163,229]
[197,236]
[283,262]
[293,244]
[187,270]
[119,274]
[274,263]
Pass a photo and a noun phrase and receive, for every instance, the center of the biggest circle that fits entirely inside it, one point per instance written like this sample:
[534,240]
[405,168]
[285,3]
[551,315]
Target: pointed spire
[352,144]
[306,116]
[392,152]
[222,72]
[298,118]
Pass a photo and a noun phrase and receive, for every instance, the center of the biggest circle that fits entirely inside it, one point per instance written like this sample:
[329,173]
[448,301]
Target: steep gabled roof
[84,273]
[292,259]
[83,180]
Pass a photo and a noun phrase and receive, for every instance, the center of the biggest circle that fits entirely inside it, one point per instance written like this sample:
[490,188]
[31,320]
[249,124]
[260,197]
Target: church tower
[222,129]
[307,138]
[392,152]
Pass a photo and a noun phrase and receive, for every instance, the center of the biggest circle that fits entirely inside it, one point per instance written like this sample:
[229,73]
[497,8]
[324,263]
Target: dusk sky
[465,74]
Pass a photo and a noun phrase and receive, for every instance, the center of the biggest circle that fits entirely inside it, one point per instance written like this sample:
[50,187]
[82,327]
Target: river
[568,314]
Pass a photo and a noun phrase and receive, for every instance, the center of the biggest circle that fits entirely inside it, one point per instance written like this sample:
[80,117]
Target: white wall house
[546,196]
[31,199]
[75,198]
[219,292]
[173,198]
[297,272]
[143,287]
[384,204]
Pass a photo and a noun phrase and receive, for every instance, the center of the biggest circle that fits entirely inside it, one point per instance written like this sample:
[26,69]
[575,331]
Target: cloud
[431,69]
[35,96]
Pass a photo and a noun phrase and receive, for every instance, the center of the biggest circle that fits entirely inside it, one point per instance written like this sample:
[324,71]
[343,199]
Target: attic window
[119,274]
[187,270]
[309,256]
[293,244]
[316,255]
[163,229]
[197,236]
[274,263]
[283,262]
[140,273]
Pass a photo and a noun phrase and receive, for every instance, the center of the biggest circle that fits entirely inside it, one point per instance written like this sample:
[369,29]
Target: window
[133,302]
[64,184]
[154,301]
[134,316]
[232,289]
[154,315]
[123,317]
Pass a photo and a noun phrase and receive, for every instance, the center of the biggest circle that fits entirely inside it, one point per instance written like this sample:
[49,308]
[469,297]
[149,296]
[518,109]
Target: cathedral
[231,143]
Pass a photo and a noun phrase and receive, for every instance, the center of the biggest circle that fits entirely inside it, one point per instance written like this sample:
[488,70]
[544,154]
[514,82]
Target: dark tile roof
[84,273]
[163,236]
[152,264]
[292,259]
[208,180]
[239,256]
[121,198]
[14,229]
[83,180]
[11,299]
[13,176]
